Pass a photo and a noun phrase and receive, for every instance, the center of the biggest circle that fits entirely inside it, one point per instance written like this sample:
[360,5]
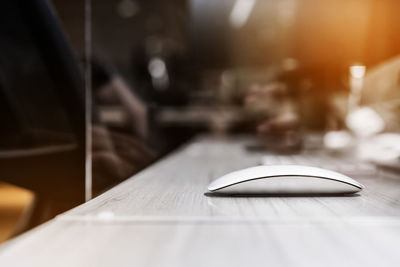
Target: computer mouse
[285,179]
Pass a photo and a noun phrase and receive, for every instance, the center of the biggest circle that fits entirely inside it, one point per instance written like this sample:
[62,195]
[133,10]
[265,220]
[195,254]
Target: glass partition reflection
[165,71]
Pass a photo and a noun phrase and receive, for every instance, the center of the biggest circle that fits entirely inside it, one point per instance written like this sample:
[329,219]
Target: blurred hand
[116,156]
[277,122]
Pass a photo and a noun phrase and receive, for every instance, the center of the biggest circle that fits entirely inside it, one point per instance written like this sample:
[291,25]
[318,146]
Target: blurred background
[139,78]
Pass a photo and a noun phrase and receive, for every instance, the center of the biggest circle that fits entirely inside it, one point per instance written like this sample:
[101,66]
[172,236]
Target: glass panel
[164,71]
[41,106]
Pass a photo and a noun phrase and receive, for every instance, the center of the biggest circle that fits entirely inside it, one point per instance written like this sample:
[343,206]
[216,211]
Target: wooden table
[161,217]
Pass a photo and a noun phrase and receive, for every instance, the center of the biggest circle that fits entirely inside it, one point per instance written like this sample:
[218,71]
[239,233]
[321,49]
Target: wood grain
[161,217]
[63,243]
[176,186]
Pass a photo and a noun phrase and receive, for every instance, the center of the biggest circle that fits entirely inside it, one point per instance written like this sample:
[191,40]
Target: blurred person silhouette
[381,91]
[119,150]
[277,120]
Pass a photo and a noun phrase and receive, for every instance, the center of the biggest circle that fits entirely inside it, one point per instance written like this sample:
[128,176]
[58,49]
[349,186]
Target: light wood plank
[161,217]
[176,186]
[63,243]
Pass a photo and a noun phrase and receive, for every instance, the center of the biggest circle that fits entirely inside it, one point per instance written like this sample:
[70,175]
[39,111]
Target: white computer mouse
[285,179]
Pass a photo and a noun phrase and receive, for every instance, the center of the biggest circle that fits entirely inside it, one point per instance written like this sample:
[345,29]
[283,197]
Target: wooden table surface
[162,217]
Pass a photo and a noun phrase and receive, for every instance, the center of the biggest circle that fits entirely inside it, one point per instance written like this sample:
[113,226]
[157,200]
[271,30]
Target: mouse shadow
[225,195]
